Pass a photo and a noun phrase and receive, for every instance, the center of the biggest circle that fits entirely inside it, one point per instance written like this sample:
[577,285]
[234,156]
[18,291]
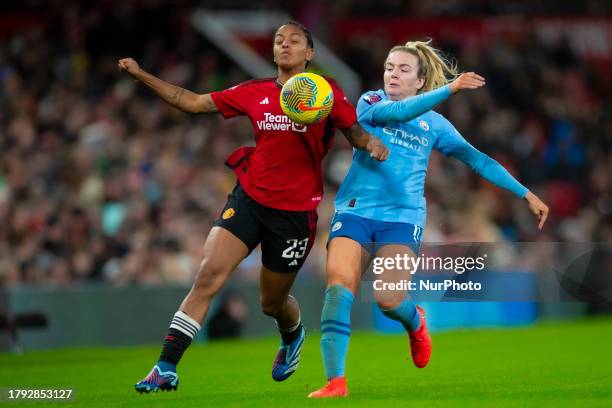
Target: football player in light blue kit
[383,202]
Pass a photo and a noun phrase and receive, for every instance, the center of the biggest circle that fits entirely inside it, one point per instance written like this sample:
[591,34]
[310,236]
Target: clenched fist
[377,149]
[128,65]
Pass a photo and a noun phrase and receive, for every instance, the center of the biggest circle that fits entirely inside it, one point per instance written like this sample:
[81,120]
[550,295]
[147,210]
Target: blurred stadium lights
[226,30]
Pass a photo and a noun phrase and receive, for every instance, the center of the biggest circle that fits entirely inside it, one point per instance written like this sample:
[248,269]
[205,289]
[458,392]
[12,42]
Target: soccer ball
[306,98]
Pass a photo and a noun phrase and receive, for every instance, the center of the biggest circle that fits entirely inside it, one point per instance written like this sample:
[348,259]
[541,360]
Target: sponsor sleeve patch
[372,98]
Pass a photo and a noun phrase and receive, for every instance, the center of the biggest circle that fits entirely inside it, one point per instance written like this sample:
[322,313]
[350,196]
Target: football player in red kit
[273,204]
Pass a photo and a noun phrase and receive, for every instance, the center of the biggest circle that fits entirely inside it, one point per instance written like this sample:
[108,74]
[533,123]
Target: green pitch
[567,364]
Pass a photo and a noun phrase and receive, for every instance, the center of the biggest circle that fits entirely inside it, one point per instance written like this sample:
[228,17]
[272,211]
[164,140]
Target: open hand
[538,208]
[467,80]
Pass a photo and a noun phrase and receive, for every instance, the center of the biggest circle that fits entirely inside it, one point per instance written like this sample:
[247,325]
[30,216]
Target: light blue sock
[336,329]
[406,313]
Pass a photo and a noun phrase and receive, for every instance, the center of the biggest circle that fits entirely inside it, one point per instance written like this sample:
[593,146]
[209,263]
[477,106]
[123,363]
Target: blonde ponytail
[434,68]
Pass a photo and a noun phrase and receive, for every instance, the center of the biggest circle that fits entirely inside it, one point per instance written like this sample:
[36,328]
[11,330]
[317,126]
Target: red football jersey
[283,170]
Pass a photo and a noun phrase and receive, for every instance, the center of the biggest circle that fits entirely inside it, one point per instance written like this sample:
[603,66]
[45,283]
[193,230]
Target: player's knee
[210,277]
[337,277]
[270,307]
[388,304]
[387,300]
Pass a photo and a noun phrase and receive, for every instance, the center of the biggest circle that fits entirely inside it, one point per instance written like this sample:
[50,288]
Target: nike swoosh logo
[303,107]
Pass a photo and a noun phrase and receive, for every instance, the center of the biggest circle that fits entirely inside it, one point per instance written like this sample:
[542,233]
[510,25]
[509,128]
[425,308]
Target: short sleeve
[343,112]
[232,101]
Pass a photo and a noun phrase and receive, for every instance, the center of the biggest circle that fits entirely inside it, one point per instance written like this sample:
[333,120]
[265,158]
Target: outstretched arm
[494,172]
[487,168]
[409,108]
[176,96]
[362,140]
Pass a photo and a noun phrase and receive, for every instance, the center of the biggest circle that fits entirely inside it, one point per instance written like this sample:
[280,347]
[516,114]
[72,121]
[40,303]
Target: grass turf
[567,364]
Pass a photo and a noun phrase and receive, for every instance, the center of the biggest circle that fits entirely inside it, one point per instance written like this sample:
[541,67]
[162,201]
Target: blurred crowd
[101,181]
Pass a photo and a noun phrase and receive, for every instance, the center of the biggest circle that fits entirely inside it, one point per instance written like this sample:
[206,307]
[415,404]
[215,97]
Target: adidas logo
[293,263]
[265,101]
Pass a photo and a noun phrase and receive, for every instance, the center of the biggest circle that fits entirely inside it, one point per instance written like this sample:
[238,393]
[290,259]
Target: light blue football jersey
[393,190]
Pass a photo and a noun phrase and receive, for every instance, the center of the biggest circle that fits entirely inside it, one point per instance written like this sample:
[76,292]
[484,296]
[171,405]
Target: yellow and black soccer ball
[307,98]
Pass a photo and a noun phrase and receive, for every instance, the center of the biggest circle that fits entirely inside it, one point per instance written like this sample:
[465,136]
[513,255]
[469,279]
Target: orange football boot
[420,342]
[336,387]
